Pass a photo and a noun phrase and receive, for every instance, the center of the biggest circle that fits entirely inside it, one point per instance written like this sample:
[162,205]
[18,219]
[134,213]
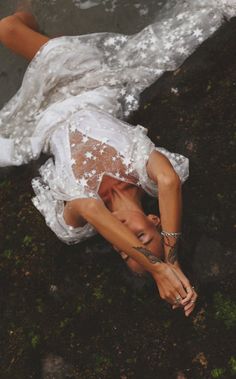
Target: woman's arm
[162,172]
[95,212]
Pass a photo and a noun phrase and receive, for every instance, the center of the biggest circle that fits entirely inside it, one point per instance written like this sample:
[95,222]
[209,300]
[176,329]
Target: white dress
[74,95]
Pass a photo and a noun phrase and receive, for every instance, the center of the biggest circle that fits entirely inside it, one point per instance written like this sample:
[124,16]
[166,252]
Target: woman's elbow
[169,180]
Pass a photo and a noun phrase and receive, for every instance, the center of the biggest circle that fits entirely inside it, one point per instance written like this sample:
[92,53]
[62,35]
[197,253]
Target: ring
[177,299]
[189,288]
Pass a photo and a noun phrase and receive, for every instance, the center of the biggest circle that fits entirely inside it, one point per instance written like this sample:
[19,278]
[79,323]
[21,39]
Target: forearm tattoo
[152,258]
[172,255]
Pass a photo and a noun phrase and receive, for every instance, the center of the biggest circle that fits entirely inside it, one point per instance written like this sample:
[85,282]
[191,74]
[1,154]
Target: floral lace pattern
[77,88]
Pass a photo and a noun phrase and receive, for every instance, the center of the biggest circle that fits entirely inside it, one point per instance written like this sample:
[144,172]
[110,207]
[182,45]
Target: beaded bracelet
[171,234]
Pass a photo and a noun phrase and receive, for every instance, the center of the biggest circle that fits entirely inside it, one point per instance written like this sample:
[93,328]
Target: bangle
[171,234]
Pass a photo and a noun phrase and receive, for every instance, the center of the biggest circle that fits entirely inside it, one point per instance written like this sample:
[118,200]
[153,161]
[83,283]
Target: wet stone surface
[76,312]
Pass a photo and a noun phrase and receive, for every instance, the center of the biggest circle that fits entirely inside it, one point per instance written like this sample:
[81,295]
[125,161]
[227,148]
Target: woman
[73,92]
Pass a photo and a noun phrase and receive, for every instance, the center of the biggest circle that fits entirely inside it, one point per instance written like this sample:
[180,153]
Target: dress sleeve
[143,150]
[51,190]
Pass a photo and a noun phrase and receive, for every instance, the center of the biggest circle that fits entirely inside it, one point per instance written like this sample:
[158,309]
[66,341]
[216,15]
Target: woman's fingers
[174,307]
[185,288]
[187,307]
[189,296]
[191,305]
[181,291]
[179,294]
[172,288]
[124,255]
[189,311]
[192,301]
[177,304]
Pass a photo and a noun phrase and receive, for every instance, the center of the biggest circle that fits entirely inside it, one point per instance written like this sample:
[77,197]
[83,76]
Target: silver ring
[177,299]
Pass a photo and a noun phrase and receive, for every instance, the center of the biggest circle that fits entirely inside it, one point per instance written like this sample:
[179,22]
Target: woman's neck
[125,197]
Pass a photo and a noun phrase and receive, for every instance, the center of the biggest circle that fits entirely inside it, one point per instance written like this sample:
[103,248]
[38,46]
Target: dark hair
[150,205]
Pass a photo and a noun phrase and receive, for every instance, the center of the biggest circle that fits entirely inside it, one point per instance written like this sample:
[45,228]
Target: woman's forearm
[170,204]
[162,172]
[119,235]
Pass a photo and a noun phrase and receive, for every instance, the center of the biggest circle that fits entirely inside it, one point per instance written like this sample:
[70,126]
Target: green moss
[209,86]
[167,324]
[27,241]
[8,254]
[79,308]
[34,339]
[64,323]
[98,294]
[102,363]
[217,372]
[225,310]
[146,106]
[39,305]
[232,365]
[5,184]
[123,289]
[131,360]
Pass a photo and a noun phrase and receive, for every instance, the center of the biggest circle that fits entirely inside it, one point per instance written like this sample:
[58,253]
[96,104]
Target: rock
[211,261]
[54,367]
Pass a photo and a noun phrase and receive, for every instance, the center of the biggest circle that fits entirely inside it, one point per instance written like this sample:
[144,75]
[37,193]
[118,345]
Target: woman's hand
[189,302]
[169,285]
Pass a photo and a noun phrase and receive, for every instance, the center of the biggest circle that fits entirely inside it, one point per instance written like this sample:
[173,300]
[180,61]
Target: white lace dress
[74,94]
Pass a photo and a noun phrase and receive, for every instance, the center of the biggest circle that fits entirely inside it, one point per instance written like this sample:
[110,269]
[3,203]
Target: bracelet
[171,234]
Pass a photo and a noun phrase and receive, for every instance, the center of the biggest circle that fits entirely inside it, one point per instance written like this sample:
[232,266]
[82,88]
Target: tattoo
[172,256]
[152,258]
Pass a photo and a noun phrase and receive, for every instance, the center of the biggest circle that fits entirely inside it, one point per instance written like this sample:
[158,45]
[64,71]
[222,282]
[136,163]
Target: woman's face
[145,228]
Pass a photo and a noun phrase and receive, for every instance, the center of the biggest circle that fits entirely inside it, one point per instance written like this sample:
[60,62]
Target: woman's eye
[141,236]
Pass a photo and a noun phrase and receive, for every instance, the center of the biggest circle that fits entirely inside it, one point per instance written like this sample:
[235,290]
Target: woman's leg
[28,19]
[18,32]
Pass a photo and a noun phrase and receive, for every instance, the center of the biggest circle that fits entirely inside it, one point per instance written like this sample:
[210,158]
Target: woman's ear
[154,219]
